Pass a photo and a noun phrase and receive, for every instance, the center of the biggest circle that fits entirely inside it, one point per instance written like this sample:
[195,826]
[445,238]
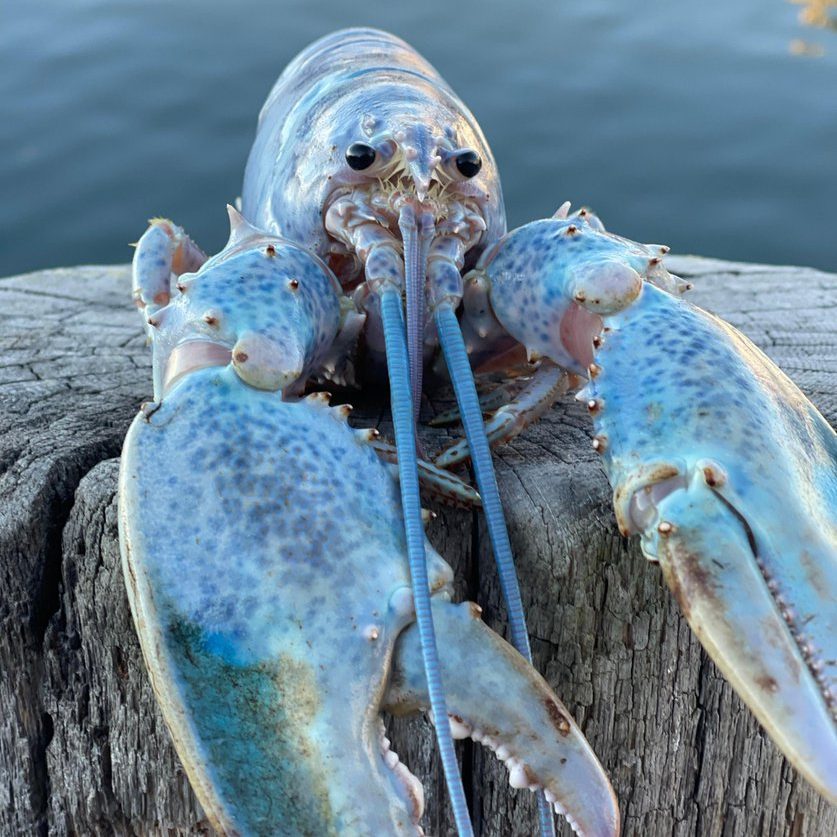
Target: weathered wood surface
[83,749]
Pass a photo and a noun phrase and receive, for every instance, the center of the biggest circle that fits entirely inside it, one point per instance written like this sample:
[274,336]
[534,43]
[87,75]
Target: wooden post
[83,748]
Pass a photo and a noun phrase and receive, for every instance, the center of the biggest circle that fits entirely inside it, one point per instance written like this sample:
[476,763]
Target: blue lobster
[300,599]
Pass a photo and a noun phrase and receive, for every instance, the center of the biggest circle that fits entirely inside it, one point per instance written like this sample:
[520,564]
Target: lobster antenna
[405,440]
[459,368]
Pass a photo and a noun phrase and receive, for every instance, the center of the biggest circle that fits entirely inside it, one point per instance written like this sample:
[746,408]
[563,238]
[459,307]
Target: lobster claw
[730,475]
[495,697]
[716,559]
[717,460]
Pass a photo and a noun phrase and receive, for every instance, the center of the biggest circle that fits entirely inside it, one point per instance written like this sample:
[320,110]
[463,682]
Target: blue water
[691,124]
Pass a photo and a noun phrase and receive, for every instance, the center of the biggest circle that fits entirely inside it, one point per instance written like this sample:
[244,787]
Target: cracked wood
[83,748]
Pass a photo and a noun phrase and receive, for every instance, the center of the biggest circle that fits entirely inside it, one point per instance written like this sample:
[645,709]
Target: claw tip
[475,610]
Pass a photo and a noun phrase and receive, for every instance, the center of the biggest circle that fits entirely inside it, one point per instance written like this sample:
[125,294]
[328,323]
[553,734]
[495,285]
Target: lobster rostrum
[275,637]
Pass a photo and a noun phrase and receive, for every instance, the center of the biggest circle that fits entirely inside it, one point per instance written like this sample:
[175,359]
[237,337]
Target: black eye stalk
[468,163]
[360,156]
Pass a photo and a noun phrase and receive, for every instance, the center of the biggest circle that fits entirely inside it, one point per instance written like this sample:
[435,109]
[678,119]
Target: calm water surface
[695,124]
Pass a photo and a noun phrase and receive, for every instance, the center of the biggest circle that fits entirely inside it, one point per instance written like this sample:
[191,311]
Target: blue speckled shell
[535,271]
[247,291]
[679,386]
[261,539]
[315,111]
[677,381]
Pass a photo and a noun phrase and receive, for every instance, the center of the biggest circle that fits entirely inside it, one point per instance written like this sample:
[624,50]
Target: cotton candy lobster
[366,158]
[364,155]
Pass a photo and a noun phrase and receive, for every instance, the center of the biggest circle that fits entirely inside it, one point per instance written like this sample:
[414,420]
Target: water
[692,124]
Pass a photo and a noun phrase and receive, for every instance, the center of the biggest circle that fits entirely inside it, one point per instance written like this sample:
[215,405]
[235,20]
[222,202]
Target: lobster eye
[360,156]
[468,163]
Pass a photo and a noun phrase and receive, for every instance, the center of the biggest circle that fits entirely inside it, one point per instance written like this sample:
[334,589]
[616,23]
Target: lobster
[368,161]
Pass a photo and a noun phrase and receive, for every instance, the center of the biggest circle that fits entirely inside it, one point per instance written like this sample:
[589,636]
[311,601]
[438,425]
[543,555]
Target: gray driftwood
[83,749]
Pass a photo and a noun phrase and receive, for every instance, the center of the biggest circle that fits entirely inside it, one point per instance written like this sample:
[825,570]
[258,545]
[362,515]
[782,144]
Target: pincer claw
[709,557]
[728,474]
[496,698]
[720,464]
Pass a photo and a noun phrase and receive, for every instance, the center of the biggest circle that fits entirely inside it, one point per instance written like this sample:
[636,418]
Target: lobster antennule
[417,233]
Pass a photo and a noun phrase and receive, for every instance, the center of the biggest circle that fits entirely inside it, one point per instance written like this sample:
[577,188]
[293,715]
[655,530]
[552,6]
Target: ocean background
[708,126]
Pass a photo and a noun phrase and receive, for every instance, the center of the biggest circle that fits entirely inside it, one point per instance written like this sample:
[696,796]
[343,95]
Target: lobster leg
[164,250]
[439,483]
[496,698]
[489,401]
[548,383]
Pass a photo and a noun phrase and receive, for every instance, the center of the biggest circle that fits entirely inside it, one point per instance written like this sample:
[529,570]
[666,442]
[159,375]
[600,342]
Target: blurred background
[709,126]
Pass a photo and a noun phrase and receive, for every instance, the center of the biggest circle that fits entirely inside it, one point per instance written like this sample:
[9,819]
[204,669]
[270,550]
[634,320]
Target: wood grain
[83,749]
